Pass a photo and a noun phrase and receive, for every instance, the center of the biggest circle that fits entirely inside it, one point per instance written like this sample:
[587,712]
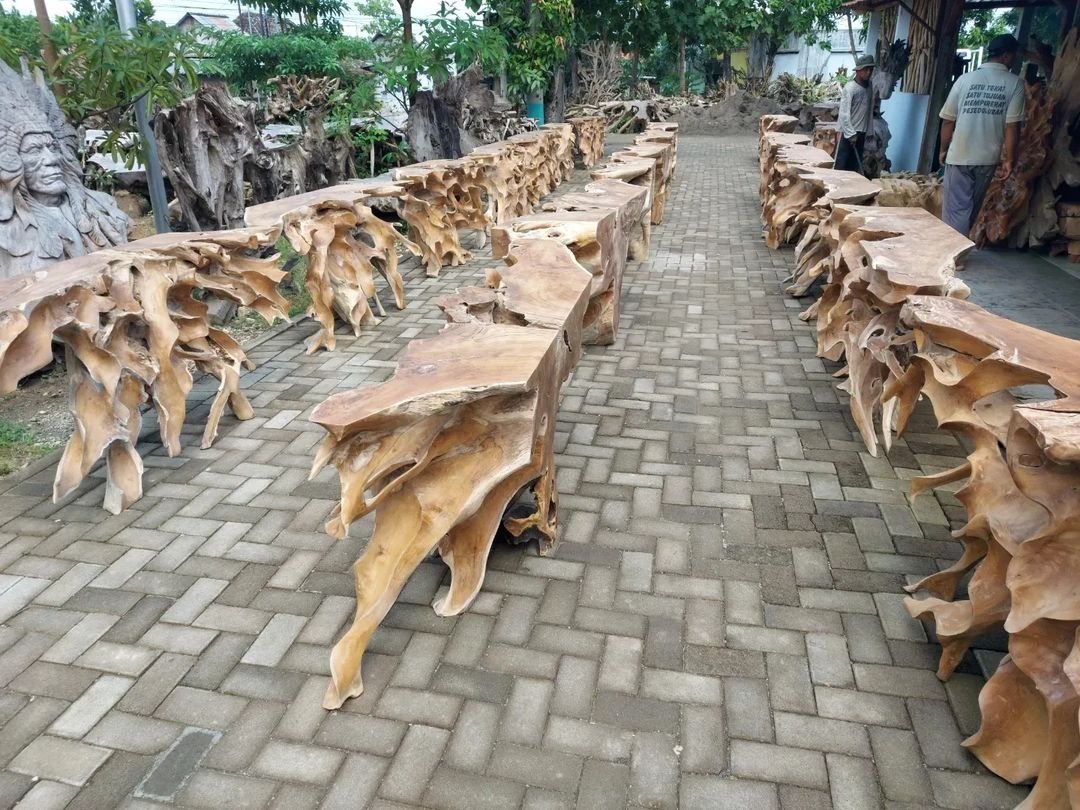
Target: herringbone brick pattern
[721,628]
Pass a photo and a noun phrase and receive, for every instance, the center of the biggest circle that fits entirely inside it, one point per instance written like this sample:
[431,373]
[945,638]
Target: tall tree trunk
[411,83]
[758,57]
[682,65]
[556,111]
[575,80]
[48,50]
[635,66]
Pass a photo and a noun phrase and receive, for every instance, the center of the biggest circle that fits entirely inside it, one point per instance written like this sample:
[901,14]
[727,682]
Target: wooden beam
[944,53]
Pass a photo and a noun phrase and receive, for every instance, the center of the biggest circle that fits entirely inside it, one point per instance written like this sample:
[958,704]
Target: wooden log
[911,191]
[133,331]
[589,133]
[801,194]
[777,123]
[826,135]
[640,173]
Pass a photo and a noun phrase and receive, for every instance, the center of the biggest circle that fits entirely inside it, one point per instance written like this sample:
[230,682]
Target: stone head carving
[46,214]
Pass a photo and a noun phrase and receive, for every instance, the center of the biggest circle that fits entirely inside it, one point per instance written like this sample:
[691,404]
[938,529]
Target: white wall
[810,60]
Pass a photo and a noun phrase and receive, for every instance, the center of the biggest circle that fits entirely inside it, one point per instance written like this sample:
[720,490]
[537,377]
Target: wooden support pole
[944,54]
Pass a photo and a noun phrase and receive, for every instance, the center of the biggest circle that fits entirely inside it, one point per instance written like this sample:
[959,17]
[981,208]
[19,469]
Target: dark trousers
[849,156]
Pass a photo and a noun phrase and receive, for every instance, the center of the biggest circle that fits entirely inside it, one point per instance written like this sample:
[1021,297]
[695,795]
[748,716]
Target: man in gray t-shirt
[979,131]
[855,117]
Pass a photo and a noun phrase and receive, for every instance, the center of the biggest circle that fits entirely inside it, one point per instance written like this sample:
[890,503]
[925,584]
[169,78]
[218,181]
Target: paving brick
[213,789]
[905,778]
[654,771]
[95,702]
[474,733]
[416,760]
[527,711]
[356,782]
[574,687]
[588,739]
[603,785]
[853,783]
[820,734]
[173,770]
[454,790]
[60,760]
[698,792]
[774,763]
[297,763]
[634,713]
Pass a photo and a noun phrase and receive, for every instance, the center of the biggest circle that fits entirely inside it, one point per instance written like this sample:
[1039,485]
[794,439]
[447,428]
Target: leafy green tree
[773,22]
[537,34]
[19,37]
[87,11]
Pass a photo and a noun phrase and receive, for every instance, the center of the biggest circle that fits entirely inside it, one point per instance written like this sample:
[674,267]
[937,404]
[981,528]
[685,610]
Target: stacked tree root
[893,311]
[465,426]
[133,332]
[135,329]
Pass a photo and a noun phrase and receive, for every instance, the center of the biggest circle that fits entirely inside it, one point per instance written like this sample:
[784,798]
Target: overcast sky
[170,11]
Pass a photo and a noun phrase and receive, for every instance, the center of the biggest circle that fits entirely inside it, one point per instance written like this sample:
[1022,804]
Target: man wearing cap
[979,131]
[855,116]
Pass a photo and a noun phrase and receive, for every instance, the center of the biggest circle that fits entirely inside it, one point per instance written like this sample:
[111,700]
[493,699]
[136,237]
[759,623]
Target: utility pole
[125,12]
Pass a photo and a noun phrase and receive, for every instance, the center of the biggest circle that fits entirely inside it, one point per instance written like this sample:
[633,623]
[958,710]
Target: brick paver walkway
[721,628]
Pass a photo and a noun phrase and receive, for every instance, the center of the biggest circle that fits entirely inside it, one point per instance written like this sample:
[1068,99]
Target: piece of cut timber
[650,136]
[768,147]
[881,257]
[640,173]
[628,200]
[777,123]
[801,195]
[599,246]
[671,127]
[438,452]
[345,244]
[589,138]
[1068,209]
[1069,228]
[826,136]
[663,155]
[132,329]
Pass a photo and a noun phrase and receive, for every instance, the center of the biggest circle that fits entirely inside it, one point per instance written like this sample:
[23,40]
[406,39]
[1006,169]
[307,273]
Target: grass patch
[298,297]
[18,446]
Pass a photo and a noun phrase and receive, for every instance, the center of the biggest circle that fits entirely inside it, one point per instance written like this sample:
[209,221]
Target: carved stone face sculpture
[46,214]
[43,169]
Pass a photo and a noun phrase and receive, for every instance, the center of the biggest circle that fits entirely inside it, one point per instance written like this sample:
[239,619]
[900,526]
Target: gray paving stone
[297,763]
[60,760]
[170,773]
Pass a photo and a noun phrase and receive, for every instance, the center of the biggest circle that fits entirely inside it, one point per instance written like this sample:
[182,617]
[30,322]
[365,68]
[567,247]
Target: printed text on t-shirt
[983,99]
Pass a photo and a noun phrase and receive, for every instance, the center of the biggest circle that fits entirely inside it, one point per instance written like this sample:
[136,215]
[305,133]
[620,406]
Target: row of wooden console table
[463,429]
[890,307]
